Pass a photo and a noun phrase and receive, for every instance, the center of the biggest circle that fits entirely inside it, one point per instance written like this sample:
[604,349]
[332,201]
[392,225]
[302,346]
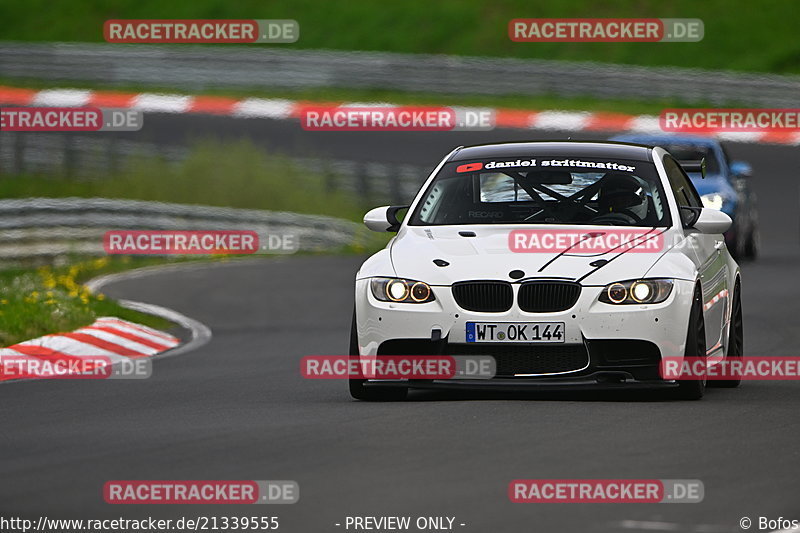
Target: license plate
[515,332]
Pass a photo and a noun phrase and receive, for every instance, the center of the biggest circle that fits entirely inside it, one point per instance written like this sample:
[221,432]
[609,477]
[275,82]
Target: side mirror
[383,218]
[694,166]
[742,169]
[705,220]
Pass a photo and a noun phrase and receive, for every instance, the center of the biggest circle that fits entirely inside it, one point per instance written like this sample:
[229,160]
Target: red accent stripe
[112,99]
[41,352]
[779,137]
[10,95]
[131,336]
[514,118]
[105,345]
[215,105]
[167,337]
[609,122]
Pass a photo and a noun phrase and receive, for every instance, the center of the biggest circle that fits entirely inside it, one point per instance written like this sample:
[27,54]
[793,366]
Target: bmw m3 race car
[572,264]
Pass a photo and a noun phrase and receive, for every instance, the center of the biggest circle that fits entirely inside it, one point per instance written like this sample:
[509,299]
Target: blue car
[725,186]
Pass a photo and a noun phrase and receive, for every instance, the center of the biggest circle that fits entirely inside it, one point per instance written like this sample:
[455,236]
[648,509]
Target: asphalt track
[237,407]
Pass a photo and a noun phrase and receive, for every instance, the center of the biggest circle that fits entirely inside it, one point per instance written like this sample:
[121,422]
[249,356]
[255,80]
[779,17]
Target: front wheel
[735,338]
[371,394]
[693,389]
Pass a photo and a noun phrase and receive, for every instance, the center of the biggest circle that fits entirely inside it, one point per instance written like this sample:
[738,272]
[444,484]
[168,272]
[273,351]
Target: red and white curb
[111,338]
[282,109]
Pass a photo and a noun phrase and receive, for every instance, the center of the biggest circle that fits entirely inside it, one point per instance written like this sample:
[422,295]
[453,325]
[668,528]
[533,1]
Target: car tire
[373,393]
[693,389]
[735,338]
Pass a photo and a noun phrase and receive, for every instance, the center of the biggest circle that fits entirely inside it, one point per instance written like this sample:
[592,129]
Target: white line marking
[261,108]
[560,120]
[201,334]
[161,103]
[62,98]
[645,124]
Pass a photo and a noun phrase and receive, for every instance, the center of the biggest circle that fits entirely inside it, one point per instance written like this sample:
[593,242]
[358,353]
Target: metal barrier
[200,67]
[46,227]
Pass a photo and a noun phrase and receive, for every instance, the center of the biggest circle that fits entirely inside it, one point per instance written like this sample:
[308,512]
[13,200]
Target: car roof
[655,139]
[605,149]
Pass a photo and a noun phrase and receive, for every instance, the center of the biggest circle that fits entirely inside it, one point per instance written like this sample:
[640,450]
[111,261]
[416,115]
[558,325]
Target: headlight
[641,291]
[713,201]
[401,290]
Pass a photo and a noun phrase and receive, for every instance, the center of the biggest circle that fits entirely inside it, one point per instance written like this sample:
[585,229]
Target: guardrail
[47,227]
[199,67]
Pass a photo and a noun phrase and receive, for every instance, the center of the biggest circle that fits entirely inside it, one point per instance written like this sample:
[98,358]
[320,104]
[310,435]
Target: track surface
[238,409]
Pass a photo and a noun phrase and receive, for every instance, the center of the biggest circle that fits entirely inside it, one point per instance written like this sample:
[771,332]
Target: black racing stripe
[622,252]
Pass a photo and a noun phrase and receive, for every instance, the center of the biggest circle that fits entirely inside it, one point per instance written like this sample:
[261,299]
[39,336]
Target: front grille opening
[484,296]
[409,347]
[624,351]
[526,358]
[548,296]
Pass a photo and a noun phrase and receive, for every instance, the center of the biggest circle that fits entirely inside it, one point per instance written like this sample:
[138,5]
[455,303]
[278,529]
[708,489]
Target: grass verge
[742,36]
[234,174]
[53,299]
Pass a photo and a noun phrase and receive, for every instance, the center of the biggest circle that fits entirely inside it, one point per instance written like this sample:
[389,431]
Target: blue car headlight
[713,201]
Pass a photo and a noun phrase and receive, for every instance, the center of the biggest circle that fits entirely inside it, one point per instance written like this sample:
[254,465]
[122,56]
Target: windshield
[544,190]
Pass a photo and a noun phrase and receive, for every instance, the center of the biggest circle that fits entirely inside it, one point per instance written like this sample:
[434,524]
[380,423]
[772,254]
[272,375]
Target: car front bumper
[605,346]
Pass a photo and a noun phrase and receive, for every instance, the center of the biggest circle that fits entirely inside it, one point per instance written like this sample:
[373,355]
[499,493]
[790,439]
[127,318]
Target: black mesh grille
[548,296]
[483,296]
[528,359]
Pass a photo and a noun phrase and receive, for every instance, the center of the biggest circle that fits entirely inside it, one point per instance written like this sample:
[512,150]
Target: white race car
[572,264]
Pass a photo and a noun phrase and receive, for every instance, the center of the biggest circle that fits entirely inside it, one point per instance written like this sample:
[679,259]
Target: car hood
[487,255]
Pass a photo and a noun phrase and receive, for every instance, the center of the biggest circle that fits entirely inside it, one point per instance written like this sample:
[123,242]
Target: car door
[709,252]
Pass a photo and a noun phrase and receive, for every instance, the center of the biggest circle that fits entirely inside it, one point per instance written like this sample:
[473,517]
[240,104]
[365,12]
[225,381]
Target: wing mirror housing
[705,220]
[694,166]
[384,218]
